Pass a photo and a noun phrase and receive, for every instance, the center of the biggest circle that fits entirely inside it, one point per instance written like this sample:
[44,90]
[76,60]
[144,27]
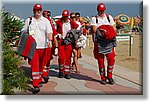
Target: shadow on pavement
[83,77]
[54,73]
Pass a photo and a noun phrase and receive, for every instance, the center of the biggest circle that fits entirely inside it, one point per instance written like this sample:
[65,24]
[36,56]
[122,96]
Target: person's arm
[54,36]
[25,27]
[55,42]
[114,26]
[56,46]
[55,33]
[93,27]
[112,22]
[75,25]
[50,40]
[49,32]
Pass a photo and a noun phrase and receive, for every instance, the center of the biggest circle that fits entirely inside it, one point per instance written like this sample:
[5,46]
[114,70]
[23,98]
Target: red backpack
[107,31]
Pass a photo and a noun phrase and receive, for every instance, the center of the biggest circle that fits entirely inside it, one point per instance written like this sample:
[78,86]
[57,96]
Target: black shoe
[110,81]
[35,90]
[40,84]
[61,75]
[46,79]
[67,76]
[103,82]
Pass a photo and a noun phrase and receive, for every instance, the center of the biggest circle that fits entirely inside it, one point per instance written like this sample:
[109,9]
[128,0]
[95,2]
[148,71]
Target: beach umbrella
[123,19]
[131,23]
[88,18]
[138,16]
[84,19]
[137,20]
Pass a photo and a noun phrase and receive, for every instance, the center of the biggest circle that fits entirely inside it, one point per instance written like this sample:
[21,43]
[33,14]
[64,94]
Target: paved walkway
[87,82]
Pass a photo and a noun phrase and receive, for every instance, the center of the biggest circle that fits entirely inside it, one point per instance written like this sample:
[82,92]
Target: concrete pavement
[88,80]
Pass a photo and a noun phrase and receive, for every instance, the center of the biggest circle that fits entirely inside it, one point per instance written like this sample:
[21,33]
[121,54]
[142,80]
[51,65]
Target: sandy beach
[133,62]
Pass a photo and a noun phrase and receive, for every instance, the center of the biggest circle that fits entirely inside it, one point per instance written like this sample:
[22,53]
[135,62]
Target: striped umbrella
[123,19]
[85,19]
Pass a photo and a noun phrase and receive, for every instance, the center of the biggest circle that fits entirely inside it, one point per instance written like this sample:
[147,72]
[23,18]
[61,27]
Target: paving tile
[86,82]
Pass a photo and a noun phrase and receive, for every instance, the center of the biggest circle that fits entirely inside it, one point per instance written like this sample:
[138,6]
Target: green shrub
[13,76]
[11,27]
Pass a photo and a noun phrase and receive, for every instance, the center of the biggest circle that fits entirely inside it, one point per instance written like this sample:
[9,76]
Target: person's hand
[56,51]
[50,44]
[58,36]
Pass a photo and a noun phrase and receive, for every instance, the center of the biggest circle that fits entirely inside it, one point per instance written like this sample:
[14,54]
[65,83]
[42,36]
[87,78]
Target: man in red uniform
[49,52]
[63,25]
[103,47]
[41,30]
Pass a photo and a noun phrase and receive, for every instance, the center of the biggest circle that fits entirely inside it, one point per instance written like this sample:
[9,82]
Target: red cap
[65,13]
[37,7]
[45,11]
[101,6]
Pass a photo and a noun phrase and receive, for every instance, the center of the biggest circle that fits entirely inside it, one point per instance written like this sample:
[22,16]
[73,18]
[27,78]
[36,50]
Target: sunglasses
[77,16]
[72,17]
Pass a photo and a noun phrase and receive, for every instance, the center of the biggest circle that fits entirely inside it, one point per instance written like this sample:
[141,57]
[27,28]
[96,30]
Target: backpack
[107,31]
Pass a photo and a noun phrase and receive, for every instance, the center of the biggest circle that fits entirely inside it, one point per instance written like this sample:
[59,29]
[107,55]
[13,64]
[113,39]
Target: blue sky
[24,9]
